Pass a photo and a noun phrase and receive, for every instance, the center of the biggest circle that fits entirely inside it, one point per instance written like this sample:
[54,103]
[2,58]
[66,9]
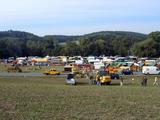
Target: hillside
[62,38]
[104,34]
[117,33]
[18,35]
[17,43]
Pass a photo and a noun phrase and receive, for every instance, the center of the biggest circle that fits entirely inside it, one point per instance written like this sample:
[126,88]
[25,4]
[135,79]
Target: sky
[77,17]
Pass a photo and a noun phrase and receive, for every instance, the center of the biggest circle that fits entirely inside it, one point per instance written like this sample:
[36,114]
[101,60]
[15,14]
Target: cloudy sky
[75,17]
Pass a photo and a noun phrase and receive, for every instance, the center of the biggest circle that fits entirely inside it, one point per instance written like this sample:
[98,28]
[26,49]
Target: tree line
[16,43]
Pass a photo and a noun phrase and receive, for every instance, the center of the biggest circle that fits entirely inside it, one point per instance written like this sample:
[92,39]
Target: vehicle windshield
[70,76]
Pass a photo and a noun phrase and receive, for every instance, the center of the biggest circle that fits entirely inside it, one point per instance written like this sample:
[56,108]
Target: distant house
[111,68]
[133,66]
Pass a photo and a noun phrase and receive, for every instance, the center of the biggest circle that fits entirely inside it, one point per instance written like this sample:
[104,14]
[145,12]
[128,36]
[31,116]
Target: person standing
[144,81]
[91,77]
[156,81]
[121,81]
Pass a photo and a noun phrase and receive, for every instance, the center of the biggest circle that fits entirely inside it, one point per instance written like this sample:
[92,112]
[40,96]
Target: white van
[150,70]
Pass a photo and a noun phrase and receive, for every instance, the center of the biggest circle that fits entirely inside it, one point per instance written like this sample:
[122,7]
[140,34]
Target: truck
[150,70]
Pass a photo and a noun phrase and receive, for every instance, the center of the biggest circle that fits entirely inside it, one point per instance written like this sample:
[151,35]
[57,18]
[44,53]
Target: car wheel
[108,83]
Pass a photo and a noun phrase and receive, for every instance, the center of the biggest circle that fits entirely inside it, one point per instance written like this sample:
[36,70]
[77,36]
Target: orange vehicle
[111,70]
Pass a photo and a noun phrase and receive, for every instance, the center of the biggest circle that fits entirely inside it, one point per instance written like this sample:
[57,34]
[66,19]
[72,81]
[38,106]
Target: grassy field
[47,98]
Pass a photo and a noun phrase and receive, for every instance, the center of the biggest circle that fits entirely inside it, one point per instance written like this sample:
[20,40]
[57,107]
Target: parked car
[70,79]
[127,72]
[114,76]
[51,72]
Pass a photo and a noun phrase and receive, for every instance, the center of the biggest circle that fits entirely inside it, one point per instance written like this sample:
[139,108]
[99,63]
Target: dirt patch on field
[7,106]
[8,109]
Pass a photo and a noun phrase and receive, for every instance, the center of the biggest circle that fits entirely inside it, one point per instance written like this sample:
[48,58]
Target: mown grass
[47,98]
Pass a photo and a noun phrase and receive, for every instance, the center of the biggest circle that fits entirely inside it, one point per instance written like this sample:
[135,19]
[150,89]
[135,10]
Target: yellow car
[51,72]
[103,78]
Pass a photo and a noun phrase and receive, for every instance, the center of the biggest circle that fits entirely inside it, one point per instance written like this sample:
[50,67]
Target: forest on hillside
[17,43]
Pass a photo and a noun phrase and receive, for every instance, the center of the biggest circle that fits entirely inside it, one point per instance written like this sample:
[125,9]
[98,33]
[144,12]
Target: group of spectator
[156,81]
[144,80]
